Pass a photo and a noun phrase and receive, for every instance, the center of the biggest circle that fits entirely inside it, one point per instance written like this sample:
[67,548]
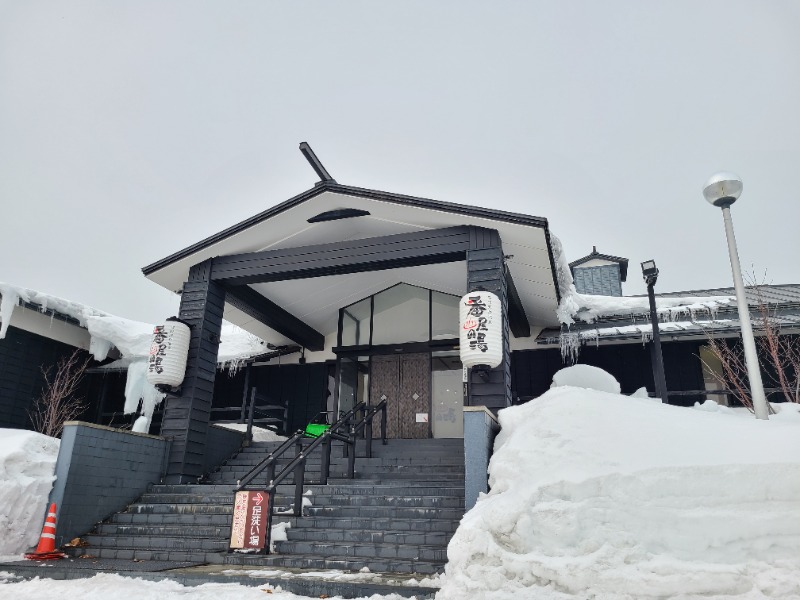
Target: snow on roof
[131,338]
[589,308]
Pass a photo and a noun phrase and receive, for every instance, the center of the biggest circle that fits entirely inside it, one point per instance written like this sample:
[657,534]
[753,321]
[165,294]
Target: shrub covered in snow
[599,495]
[586,376]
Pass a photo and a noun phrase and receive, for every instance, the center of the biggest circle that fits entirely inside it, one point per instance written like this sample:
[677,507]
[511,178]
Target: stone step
[394,488]
[175,530]
[308,561]
[315,459]
[432,480]
[140,554]
[405,501]
[281,499]
[201,519]
[157,542]
[331,535]
[379,512]
[191,488]
[341,550]
[427,524]
[192,509]
[360,470]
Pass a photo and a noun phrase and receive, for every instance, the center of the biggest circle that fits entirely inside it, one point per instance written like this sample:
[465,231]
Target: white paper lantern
[481,330]
[166,364]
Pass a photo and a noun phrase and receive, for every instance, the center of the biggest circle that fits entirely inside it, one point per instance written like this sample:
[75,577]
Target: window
[400,314]
[355,324]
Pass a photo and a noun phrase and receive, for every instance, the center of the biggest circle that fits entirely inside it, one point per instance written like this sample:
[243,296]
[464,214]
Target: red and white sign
[250,520]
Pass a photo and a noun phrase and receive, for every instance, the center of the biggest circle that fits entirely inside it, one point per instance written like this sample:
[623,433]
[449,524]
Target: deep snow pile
[27,462]
[601,495]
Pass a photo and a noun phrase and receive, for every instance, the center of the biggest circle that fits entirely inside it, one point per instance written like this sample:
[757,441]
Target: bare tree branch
[59,402]
[778,355]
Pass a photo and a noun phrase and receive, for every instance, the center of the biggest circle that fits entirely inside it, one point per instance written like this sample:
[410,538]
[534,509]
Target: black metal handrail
[294,440]
[298,464]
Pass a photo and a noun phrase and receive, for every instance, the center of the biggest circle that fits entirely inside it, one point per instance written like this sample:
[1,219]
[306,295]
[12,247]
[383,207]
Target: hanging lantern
[481,330]
[166,364]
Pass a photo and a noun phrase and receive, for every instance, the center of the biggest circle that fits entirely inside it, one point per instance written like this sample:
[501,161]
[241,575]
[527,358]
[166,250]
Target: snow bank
[586,376]
[608,496]
[260,434]
[27,462]
[131,338]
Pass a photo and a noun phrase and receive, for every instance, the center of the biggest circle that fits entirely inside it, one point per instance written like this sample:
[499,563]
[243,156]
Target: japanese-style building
[365,286]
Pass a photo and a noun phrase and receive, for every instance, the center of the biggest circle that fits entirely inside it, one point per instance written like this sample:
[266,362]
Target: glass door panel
[447,396]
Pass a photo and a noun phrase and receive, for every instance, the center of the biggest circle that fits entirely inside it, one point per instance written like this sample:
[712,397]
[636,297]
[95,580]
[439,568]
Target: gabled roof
[595,255]
[333,213]
[331,186]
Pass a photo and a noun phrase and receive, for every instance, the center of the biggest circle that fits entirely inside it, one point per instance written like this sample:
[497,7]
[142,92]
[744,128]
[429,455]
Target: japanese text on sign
[476,323]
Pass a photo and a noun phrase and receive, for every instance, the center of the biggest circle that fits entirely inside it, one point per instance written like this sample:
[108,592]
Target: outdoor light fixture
[722,190]
[649,271]
[650,274]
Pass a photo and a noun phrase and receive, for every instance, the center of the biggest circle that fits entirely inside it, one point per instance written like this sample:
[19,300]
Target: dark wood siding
[186,417]
[22,354]
[533,370]
[303,387]
[353,256]
[486,271]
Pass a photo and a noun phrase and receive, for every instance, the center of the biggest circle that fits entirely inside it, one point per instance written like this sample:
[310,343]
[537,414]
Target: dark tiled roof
[771,294]
[783,302]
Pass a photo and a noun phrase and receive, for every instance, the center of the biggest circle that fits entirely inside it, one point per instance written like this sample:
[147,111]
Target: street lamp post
[650,274]
[722,190]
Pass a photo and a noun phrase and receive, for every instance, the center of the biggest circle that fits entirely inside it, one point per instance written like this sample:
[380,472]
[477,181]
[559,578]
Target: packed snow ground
[27,462]
[103,587]
[600,495]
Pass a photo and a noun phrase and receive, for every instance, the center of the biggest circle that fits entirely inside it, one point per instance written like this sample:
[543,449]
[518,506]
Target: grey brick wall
[480,429]
[221,443]
[100,471]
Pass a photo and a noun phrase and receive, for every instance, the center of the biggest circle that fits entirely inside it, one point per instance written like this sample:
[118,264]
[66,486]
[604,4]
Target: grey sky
[129,130]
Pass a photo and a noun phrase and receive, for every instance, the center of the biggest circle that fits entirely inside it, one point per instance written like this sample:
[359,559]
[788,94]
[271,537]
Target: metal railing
[346,430]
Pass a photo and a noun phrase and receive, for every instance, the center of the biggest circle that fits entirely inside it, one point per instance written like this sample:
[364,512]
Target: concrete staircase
[396,516]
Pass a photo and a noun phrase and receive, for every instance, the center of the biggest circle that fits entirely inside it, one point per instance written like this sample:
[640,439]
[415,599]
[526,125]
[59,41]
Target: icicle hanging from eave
[137,388]
[9,301]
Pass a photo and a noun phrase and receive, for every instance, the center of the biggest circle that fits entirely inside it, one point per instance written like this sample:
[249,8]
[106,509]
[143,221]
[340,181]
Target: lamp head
[649,271]
[723,189]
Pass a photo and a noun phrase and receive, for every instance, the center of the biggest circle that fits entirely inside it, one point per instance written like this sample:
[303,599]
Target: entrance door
[405,381]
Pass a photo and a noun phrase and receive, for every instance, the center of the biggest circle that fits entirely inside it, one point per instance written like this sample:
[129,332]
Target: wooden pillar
[486,271]
[186,416]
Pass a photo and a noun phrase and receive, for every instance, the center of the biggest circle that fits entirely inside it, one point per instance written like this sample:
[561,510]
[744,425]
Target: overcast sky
[129,130]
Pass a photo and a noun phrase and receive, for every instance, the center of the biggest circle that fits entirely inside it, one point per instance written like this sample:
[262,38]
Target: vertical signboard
[250,520]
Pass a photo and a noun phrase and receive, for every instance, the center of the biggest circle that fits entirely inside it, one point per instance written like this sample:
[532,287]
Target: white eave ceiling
[317,300]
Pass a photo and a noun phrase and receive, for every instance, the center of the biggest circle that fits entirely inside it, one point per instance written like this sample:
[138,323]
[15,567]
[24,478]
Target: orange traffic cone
[46,550]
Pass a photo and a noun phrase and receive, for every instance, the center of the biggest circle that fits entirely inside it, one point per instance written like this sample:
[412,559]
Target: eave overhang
[525,239]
